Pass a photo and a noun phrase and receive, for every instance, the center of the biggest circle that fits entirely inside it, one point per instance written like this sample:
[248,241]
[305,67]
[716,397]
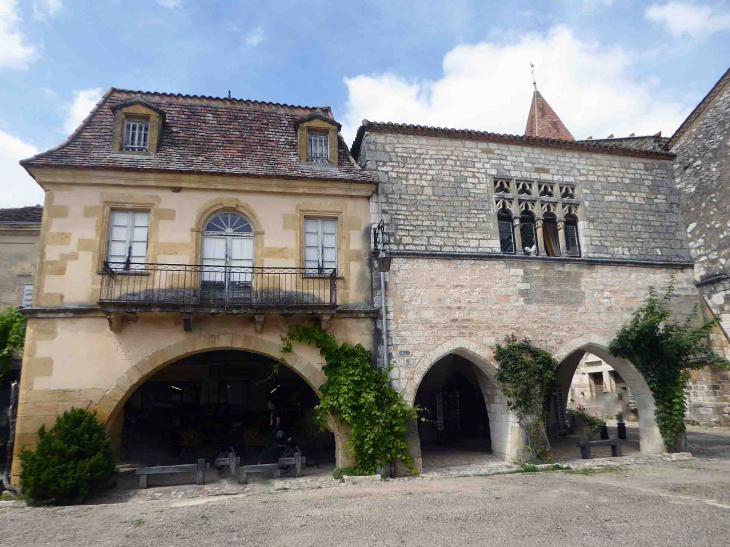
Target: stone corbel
[187,318]
[259,323]
[117,320]
[325,321]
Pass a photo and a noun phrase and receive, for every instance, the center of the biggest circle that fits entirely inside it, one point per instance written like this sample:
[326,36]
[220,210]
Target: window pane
[529,240]
[310,225]
[141,219]
[572,244]
[506,239]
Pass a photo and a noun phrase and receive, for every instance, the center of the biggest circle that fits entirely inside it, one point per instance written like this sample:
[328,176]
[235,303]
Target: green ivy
[664,350]
[525,375]
[360,396]
[12,338]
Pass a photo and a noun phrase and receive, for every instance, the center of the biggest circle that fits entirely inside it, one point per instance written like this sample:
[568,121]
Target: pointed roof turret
[544,122]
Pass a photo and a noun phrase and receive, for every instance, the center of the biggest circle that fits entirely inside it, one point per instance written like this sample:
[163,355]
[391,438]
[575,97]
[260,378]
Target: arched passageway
[456,427]
[641,401]
[199,405]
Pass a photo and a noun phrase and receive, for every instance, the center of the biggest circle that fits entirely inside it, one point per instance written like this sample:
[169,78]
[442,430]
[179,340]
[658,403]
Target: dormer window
[136,135]
[318,147]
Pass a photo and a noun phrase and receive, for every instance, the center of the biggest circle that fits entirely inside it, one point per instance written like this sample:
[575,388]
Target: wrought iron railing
[229,287]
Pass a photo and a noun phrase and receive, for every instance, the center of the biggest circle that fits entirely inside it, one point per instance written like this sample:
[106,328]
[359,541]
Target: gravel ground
[663,503]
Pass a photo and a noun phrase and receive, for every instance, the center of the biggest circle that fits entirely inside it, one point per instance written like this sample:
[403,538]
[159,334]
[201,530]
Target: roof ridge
[504,137]
[222,99]
[706,100]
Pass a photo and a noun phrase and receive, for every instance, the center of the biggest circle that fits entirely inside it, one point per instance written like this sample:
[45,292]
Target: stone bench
[274,468]
[585,447]
[197,468]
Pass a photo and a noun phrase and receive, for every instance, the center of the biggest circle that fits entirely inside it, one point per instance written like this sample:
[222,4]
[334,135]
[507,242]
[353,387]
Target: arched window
[572,243]
[550,234]
[228,249]
[506,230]
[528,233]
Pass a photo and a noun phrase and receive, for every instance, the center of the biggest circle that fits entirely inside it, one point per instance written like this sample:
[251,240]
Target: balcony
[137,287]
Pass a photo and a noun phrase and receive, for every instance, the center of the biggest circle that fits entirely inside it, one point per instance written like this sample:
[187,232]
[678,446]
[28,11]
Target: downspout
[383,297]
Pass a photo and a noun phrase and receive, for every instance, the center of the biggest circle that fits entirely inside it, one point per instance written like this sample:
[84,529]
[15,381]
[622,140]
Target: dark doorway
[456,430]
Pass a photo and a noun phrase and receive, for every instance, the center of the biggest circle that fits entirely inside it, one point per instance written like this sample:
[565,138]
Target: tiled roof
[203,135]
[25,215]
[699,109]
[643,142]
[485,136]
[542,121]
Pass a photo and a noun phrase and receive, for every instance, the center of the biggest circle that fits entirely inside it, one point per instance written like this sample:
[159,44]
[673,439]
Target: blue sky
[606,66]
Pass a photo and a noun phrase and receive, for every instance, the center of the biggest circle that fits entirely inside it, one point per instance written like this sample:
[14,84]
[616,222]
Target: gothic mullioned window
[548,218]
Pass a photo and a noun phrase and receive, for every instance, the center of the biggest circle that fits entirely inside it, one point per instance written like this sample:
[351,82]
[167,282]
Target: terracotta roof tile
[203,135]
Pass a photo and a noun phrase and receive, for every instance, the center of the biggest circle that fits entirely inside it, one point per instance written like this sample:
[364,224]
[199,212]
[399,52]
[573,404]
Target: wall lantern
[380,252]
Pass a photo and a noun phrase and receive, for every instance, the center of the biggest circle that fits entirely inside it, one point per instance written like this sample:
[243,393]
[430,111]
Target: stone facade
[702,171]
[17,260]
[451,290]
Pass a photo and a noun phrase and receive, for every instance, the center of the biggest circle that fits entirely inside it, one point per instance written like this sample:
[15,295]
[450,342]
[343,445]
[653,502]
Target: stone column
[540,236]
[561,236]
[518,235]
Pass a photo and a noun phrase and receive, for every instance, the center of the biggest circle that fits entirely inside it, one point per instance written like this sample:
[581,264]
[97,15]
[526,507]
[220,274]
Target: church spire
[542,120]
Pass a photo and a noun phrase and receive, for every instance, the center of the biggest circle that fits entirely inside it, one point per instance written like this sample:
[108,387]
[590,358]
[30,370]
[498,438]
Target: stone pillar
[414,446]
[518,235]
[540,236]
[561,236]
[343,450]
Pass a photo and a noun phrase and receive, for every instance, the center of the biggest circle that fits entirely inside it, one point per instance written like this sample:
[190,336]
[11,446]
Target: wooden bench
[585,447]
[274,468]
[197,468]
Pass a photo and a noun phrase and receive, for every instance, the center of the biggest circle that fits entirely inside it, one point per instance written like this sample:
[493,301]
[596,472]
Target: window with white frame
[27,301]
[136,135]
[320,246]
[318,147]
[128,230]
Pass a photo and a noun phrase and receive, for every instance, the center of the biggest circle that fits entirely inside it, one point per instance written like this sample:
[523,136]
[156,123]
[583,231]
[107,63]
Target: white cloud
[43,10]
[17,187]
[255,36]
[170,3]
[15,51]
[84,101]
[689,18]
[487,86]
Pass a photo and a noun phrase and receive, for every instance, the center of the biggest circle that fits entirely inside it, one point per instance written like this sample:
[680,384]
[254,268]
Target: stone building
[181,235]
[702,172]
[19,232]
[493,235]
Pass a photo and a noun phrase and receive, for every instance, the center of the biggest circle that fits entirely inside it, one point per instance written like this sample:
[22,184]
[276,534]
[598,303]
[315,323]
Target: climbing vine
[664,350]
[12,338]
[360,396]
[526,373]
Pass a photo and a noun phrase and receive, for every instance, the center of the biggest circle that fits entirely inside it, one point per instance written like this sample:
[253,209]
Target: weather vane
[534,83]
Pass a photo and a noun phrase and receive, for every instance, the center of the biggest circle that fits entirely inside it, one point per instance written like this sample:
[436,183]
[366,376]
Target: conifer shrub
[72,460]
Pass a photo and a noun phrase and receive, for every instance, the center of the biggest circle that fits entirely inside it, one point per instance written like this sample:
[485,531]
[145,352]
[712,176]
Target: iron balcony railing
[229,287]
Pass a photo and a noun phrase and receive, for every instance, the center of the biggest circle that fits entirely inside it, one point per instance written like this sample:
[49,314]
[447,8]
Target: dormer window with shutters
[318,135]
[137,127]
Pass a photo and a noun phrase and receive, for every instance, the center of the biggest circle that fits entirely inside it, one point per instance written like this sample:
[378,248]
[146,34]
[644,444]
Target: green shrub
[72,460]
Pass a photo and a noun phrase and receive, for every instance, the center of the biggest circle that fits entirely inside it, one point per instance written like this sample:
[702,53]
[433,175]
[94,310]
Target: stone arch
[569,356]
[503,425]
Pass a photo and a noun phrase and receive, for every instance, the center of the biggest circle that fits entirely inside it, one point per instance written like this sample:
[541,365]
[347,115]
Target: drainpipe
[383,298]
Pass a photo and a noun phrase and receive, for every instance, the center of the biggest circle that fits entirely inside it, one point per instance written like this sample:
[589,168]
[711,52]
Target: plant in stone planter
[587,426]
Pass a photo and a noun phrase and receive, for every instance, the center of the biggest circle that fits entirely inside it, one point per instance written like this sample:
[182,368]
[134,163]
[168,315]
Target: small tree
[72,460]
[525,375]
[12,338]
[664,350]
